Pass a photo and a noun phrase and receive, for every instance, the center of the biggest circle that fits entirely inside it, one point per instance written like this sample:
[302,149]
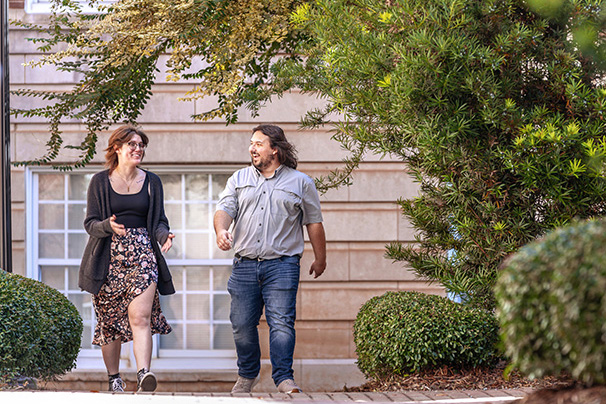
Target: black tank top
[130,210]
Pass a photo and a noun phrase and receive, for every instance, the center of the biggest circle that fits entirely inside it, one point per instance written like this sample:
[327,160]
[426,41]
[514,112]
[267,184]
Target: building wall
[359,220]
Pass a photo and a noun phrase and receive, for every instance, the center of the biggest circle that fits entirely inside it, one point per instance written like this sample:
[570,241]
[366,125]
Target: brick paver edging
[404,397]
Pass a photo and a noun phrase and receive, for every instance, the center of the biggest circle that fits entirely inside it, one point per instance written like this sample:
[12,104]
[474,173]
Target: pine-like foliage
[497,114]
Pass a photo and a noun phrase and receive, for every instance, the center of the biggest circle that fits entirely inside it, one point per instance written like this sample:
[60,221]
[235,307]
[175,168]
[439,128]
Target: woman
[123,266]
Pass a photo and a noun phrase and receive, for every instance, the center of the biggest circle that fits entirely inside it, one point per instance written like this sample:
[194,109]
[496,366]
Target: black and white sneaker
[116,384]
[146,380]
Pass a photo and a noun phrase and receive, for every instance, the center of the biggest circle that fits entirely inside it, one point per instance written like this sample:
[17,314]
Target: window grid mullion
[184,307]
[183,221]
[65,218]
[66,279]
[210,216]
[211,286]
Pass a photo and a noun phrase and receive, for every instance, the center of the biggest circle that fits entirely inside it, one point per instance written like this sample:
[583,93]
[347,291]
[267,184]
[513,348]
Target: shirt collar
[275,174]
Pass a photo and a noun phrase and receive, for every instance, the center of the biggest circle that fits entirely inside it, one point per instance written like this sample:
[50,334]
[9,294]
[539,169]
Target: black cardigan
[95,261]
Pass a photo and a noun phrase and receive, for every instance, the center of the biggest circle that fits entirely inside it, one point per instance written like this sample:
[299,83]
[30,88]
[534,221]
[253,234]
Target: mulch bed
[573,395]
[452,379]
[548,390]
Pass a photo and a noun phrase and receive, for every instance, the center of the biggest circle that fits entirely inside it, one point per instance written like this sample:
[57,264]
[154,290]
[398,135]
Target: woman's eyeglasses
[133,146]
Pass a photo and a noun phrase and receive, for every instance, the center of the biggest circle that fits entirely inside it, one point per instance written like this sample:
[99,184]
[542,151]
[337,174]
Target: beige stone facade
[359,219]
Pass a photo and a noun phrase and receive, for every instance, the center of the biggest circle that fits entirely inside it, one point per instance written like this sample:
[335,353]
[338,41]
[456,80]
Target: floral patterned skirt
[132,270]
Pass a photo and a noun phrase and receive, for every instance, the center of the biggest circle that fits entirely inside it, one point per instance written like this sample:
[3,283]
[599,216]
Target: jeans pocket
[291,260]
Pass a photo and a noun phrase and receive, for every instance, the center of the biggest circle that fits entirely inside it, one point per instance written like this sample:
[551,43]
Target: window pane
[87,338]
[75,215]
[77,242]
[73,278]
[224,338]
[173,213]
[50,217]
[172,186]
[198,307]
[219,181]
[198,336]
[177,274]
[196,216]
[53,277]
[174,340]
[196,187]
[221,307]
[197,246]
[220,277]
[50,187]
[77,186]
[84,304]
[198,278]
[51,245]
[172,306]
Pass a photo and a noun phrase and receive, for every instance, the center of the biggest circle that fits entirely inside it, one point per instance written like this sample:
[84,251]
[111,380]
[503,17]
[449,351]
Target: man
[268,202]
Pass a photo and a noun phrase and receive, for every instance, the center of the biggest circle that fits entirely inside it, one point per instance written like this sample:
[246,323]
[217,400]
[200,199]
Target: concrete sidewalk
[406,397]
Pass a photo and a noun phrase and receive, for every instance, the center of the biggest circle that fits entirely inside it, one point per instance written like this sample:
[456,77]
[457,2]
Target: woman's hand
[118,228]
[169,243]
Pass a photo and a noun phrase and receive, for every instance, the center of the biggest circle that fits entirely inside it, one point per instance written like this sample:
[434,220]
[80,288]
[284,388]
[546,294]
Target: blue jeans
[271,284]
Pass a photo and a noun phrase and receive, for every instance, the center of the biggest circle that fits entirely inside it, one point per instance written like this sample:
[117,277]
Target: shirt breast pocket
[286,203]
[246,196]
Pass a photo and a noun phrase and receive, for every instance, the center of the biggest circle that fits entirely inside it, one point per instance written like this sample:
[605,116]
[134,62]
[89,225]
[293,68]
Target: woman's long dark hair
[287,154]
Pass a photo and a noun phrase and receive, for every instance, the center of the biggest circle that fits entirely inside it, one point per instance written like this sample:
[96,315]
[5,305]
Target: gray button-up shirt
[269,213]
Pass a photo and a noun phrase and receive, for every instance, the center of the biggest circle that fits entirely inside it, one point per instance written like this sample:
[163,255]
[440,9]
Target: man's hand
[168,243]
[317,268]
[318,244]
[221,223]
[117,228]
[224,240]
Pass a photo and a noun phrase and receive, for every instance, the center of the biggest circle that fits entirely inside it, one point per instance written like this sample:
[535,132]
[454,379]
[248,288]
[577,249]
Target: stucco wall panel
[364,222]
[337,267]
[17,185]
[47,74]
[18,252]
[337,302]
[370,263]
[16,69]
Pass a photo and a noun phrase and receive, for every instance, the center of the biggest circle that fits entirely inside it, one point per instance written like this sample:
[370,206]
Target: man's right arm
[222,221]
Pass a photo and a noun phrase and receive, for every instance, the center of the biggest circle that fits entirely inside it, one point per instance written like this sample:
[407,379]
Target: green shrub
[552,305]
[402,332]
[19,326]
[40,329]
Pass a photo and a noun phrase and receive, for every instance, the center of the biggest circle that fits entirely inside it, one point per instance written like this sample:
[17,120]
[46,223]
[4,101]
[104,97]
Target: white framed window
[44,6]
[199,310]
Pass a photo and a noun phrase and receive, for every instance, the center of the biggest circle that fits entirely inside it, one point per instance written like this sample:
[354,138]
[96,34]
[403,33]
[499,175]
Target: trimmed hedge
[551,299]
[403,332]
[40,329]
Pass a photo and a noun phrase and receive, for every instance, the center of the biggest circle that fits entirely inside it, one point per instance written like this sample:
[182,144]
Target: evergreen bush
[496,112]
[552,307]
[402,332]
[40,329]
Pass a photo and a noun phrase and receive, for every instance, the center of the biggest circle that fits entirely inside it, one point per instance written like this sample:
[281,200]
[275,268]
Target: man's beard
[263,163]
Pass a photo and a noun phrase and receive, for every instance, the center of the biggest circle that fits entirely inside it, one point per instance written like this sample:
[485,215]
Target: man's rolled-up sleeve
[228,199]
[312,213]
